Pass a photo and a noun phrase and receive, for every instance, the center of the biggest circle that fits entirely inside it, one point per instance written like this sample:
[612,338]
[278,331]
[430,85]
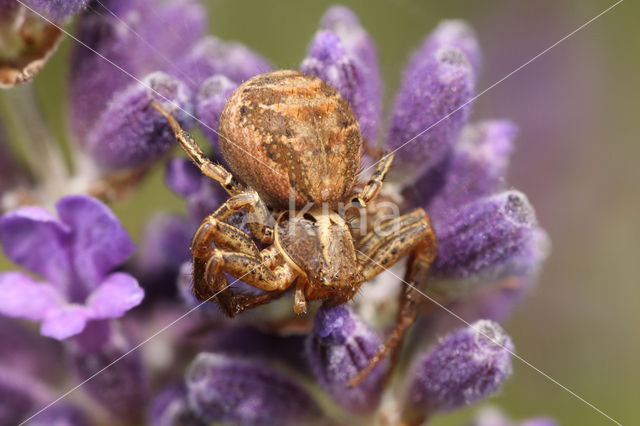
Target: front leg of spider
[409,234]
[237,254]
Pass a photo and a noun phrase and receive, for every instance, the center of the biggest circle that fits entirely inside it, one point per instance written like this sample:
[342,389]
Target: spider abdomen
[291,136]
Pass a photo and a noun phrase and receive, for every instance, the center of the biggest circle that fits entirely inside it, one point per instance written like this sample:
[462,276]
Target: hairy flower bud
[430,109]
[490,238]
[339,347]
[241,391]
[465,367]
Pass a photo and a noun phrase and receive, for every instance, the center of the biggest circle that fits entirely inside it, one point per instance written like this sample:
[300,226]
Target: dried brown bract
[26,43]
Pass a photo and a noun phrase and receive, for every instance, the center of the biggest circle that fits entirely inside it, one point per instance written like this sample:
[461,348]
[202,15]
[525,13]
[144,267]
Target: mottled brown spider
[293,140]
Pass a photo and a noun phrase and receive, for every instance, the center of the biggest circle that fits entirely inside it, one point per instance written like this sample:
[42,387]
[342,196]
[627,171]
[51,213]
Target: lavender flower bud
[123,388]
[465,367]
[60,415]
[139,37]
[56,10]
[130,132]
[239,391]
[171,408]
[164,247]
[20,395]
[459,34]
[203,195]
[339,347]
[210,101]
[491,238]
[477,168]
[329,60]
[211,56]
[430,109]
[342,22]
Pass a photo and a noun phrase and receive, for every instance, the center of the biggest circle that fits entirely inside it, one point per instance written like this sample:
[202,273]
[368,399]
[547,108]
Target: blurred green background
[577,160]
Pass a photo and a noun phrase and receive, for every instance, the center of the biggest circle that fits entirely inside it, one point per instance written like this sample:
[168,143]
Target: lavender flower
[171,408]
[493,237]
[123,387]
[127,132]
[240,391]
[74,255]
[212,56]
[436,88]
[212,96]
[343,54]
[490,244]
[56,10]
[130,132]
[465,367]
[338,348]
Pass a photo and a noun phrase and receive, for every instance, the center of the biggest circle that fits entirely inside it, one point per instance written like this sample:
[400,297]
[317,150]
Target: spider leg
[373,186]
[251,270]
[409,234]
[206,166]
[214,230]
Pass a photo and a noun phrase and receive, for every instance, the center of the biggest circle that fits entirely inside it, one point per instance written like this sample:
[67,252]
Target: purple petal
[339,347]
[144,36]
[429,110]
[122,388]
[130,132]
[465,367]
[211,56]
[491,238]
[99,242]
[460,35]
[477,168]
[65,322]
[117,294]
[360,46]
[23,297]
[329,60]
[56,10]
[210,101]
[238,391]
[36,240]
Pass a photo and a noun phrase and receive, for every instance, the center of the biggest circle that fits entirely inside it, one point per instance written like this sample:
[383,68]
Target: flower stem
[41,150]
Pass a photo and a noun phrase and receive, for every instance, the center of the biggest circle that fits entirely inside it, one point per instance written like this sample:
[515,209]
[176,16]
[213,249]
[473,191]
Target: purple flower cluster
[268,366]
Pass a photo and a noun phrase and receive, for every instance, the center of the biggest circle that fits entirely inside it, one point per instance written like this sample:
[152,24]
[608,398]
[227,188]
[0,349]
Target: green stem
[40,149]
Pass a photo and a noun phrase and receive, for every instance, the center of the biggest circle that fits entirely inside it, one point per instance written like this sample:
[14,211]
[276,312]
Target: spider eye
[336,277]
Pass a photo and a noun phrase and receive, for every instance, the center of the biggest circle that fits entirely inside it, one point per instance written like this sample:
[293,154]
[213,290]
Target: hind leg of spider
[409,234]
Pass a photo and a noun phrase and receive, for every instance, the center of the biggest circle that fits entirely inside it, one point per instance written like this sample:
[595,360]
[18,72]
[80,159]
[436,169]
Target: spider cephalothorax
[295,143]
